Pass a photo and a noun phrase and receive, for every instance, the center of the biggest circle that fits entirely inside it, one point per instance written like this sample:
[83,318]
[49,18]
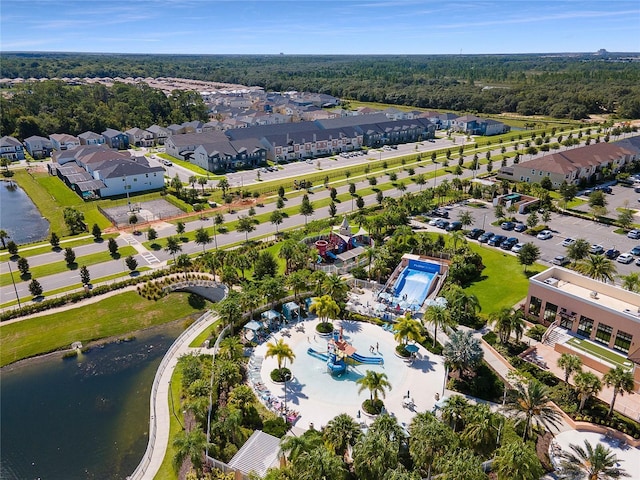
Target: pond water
[81,418]
[19,217]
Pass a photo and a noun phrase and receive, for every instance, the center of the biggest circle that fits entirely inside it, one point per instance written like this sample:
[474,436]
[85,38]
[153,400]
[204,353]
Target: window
[566,322]
[534,305]
[550,311]
[623,341]
[585,326]
[603,334]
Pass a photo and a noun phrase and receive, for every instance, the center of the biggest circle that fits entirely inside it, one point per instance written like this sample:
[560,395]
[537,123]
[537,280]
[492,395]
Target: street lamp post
[14,285]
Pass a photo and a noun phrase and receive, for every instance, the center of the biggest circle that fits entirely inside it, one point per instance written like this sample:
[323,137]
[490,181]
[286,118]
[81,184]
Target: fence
[140,471]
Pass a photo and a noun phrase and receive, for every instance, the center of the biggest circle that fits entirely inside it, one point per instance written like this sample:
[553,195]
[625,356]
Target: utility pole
[14,285]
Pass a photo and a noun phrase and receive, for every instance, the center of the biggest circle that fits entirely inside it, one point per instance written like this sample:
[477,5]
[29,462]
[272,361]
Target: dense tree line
[43,108]
[558,86]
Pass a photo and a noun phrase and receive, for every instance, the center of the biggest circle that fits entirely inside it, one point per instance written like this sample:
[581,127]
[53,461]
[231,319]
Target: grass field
[504,282]
[113,316]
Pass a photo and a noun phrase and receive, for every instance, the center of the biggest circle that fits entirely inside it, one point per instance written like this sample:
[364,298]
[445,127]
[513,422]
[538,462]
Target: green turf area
[504,282]
[599,352]
[117,315]
[45,247]
[59,267]
[206,333]
[189,166]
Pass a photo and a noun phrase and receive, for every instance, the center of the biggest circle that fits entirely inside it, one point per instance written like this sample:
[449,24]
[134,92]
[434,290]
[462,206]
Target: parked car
[638,262]
[625,258]
[453,226]
[520,227]
[517,247]
[496,240]
[507,225]
[560,260]
[475,233]
[434,221]
[544,235]
[635,250]
[568,242]
[485,237]
[443,224]
[635,234]
[596,249]
[612,253]
[440,212]
[509,243]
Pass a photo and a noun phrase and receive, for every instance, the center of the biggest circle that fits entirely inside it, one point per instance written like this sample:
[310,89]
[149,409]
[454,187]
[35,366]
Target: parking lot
[561,227]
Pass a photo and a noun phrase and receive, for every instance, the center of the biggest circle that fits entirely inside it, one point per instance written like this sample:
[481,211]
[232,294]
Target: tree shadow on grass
[26,276]
[72,266]
[116,256]
[155,246]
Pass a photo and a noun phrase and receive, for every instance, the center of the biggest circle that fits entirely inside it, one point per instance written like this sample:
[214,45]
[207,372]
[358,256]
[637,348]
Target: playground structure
[340,353]
[341,245]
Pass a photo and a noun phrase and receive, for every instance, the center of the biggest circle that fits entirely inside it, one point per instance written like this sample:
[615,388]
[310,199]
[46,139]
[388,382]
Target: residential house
[38,147]
[571,165]
[11,148]
[116,139]
[139,137]
[91,138]
[64,141]
[192,127]
[230,154]
[160,134]
[183,145]
[175,129]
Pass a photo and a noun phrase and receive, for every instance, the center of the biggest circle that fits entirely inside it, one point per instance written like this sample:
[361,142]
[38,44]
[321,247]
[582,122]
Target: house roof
[577,158]
[258,454]
[63,138]
[90,135]
[37,138]
[158,130]
[352,121]
[110,133]
[10,142]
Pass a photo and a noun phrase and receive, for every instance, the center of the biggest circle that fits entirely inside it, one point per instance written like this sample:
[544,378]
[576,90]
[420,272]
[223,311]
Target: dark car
[475,233]
[635,250]
[485,237]
[440,212]
[507,225]
[612,253]
[497,240]
[454,226]
[509,243]
[520,227]
[442,224]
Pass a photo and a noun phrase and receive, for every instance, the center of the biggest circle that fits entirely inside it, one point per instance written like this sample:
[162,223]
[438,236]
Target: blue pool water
[414,282]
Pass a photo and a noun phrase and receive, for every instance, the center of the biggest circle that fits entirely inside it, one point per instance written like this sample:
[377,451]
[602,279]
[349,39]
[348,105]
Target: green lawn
[113,316]
[504,282]
[599,352]
[45,247]
[59,267]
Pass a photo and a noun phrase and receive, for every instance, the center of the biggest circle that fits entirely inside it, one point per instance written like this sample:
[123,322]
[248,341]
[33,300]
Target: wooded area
[558,86]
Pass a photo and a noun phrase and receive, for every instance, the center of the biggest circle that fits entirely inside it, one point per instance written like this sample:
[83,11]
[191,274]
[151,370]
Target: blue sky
[319,26]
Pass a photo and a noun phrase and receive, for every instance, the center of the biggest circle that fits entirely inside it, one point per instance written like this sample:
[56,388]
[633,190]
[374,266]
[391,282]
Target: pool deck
[424,377]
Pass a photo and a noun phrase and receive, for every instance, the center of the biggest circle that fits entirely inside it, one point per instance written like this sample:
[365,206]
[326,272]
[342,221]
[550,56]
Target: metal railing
[140,470]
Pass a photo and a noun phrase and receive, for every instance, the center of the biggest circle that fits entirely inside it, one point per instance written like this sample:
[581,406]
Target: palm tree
[438,316]
[298,281]
[370,253]
[276,218]
[173,247]
[319,464]
[245,225]
[231,348]
[202,238]
[530,404]
[631,282]
[341,432]
[336,287]
[570,364]
[597,267]
[462,352]
[461,305]
[456,237]
[507,321]
[578,250]
[296,446]
[591,463]
[429,439]
[622,382]
[587,385]
[325,307]
[455,410]
[406,329]
[374,456]
[281,351]
[375,382]
[516,460]
[229,309]
[190,445]
[3,235]
[482,427]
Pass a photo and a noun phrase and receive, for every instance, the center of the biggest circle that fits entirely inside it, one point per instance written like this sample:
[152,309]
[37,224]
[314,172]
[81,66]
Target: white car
[635,234]
[625,258]
[568,242]
[433,221]
[544,235]
[517,247]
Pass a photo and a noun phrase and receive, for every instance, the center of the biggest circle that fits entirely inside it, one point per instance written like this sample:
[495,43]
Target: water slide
[367,360]
[318,355]
[331,255]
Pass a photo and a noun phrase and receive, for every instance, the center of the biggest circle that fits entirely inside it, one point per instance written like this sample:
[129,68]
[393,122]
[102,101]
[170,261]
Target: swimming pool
[414,282]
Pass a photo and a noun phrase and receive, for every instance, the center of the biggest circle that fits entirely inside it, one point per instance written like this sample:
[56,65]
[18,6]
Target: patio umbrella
[411,349]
